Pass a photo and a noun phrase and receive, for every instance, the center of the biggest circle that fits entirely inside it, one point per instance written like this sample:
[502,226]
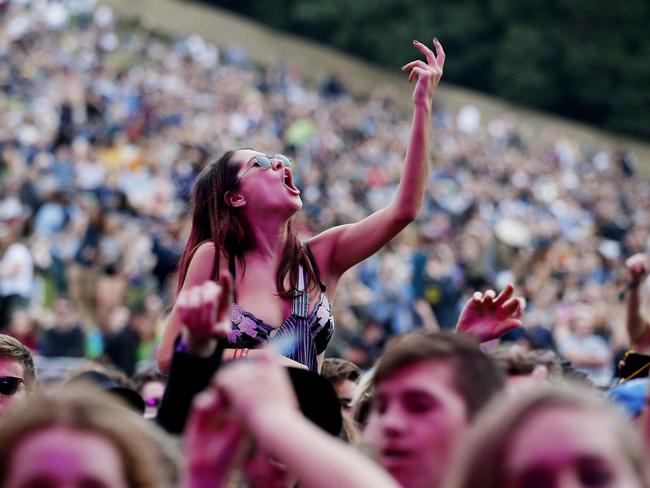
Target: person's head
[362,401]
[583,320]
[230,196]
[21,323]
[17,373]
[551,437]
[65,313]
[80,437]
[428,388]
[150,383]
[525,368]
[344,377]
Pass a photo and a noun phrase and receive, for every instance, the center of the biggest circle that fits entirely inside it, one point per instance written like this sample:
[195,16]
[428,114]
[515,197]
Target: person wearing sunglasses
[242,212]
[16,372]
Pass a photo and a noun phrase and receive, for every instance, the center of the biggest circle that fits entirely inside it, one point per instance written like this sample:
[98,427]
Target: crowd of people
[135,290]
[105,127]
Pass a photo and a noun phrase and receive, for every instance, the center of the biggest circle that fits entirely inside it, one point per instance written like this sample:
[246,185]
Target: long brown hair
[213,220]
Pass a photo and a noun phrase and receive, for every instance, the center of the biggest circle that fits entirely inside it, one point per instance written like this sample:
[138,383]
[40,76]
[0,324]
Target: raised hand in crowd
[487,316]
[637,266]
[268,412]
[428,74]
[214,441]
[204,310]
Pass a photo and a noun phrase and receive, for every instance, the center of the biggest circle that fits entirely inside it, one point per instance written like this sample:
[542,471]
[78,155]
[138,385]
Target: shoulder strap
[312,262]
[233,272]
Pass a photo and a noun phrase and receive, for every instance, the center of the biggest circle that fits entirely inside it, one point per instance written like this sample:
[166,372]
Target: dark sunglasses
[264,162]
[9,385]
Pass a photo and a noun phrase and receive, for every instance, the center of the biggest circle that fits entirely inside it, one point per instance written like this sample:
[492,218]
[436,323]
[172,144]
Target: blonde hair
[482,457]
[145,452]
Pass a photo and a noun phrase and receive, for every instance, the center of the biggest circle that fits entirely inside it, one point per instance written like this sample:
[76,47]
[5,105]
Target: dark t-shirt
[63,343]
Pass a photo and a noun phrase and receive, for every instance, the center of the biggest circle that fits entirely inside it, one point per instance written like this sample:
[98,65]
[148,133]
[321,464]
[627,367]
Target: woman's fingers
[441,52]
[428,53]
[419,63]
[417,72]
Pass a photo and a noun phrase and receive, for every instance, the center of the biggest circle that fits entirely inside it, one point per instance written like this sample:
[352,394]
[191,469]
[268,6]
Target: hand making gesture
[428,74]
[486,317]
[204,310]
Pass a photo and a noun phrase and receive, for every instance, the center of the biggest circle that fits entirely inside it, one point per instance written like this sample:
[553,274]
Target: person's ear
[234,199]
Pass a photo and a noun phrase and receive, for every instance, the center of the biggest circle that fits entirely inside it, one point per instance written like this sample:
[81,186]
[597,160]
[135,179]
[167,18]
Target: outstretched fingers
[508,325]
[488,297]
[441,52]
[416,72]
[428,53]
[417,63]
[505,295]
[512,307]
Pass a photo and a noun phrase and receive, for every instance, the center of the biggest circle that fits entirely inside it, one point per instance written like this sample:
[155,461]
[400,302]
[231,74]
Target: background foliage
[584,59]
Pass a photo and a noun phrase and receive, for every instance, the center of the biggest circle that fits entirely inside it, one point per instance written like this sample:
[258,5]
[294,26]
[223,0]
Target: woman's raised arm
[341,247]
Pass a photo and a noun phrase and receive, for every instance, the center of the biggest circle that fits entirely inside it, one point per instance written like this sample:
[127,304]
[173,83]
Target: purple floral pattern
[323,313]
[241,325]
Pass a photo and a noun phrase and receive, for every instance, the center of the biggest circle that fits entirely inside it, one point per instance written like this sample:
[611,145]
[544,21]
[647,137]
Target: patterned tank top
[302,336]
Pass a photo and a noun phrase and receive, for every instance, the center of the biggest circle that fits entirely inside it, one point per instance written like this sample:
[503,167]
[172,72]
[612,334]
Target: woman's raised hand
[428,74]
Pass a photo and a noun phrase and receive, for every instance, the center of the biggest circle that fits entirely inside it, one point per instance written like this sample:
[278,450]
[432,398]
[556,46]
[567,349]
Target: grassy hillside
[316,61]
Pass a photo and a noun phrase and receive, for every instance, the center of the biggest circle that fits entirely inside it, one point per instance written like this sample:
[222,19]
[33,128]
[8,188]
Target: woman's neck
[269,240]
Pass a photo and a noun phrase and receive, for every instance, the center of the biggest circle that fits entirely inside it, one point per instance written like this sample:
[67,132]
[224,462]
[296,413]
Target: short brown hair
[516,361]
[337,369]
[477,376]
[11,348]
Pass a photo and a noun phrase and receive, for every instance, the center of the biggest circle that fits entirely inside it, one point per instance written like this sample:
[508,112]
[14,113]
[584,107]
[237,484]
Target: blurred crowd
[104,126]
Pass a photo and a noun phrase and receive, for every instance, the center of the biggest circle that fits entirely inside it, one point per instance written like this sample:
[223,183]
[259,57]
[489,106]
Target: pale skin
[267,211]
[637,266]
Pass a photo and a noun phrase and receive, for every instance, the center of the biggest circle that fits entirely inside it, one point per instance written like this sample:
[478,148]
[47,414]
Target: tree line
[584,59]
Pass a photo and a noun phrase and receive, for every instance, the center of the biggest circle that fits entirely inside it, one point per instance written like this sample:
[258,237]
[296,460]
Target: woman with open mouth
[243,207]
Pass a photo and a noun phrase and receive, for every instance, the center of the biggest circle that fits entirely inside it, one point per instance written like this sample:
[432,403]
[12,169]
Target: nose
[277,163]
[568,478]
[392,421]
